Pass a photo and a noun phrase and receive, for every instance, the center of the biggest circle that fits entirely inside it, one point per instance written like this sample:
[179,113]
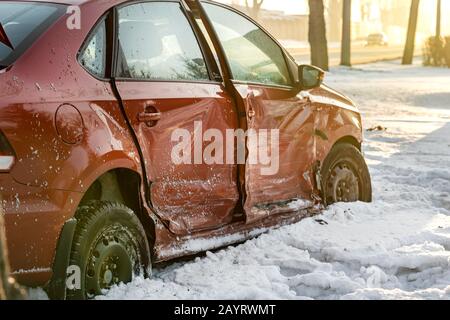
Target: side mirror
[310,76]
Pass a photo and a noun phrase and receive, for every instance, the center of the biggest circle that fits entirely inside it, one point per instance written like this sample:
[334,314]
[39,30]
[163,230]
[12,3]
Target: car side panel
[32,93]
[33,220]
[336,118]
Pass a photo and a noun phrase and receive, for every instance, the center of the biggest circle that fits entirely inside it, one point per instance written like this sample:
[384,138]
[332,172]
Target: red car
[96,98]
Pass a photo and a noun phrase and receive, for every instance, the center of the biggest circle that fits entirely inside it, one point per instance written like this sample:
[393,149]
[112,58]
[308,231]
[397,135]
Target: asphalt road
[360,54]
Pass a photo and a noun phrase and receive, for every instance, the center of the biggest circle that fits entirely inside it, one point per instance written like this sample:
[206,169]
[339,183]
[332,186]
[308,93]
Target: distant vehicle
[377,39]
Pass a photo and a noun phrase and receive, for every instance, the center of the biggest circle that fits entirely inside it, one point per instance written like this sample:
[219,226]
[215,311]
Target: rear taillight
[7,156]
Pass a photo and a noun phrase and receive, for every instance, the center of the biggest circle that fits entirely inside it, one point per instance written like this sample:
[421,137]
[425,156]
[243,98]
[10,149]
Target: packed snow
[397,247]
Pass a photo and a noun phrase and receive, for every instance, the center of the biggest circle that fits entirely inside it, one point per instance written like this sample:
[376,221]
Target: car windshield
[21,23]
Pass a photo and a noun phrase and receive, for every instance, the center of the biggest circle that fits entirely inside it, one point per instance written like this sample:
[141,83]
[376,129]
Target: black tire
[109,246]
[345,176]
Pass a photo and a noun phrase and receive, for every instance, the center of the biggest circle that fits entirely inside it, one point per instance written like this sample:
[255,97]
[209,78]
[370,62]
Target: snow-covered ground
[397,247]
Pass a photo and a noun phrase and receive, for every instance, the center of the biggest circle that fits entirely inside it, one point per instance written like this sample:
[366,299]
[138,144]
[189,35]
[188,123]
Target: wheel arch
[326,147]
[121,185]
[350,140]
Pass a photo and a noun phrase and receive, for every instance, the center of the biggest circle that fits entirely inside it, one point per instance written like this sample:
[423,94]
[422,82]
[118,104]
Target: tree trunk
[255,8]
[408,54]
[335,20]
[438,19]
[318,35]
[346,59]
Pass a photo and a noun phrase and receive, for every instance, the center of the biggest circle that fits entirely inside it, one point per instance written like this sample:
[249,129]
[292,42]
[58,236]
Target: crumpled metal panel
[193,196]
[337,117]
[288,178]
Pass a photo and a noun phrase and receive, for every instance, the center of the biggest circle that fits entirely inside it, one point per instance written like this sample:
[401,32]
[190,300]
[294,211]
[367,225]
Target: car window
[158,43]
[253,56]
[21,23]
[93,56]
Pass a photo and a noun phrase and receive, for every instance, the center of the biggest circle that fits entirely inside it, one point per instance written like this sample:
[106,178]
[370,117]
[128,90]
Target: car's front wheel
[345,176]
[109,247]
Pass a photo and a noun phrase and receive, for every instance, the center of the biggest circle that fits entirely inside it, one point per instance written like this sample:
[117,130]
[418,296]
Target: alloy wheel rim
[113,259]
[343,184]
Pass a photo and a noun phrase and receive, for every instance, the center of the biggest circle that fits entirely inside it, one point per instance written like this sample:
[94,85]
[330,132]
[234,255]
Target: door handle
[149,117]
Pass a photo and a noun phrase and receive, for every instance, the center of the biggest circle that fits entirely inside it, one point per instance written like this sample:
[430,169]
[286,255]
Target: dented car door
[279,121]
[171,103]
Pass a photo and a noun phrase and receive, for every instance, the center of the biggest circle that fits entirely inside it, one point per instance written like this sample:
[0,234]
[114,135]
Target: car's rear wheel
[109,247]
[345,176]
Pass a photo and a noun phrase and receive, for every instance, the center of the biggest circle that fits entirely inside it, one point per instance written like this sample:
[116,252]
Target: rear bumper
[34,218]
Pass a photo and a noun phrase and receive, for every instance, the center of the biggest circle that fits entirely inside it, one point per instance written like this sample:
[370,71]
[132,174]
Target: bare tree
[438,19]
[346,33]
[411,36]
[254,8]
[318,34]
[335,19]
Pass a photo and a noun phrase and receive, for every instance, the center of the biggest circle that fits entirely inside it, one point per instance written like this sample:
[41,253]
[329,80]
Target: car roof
[67,2]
